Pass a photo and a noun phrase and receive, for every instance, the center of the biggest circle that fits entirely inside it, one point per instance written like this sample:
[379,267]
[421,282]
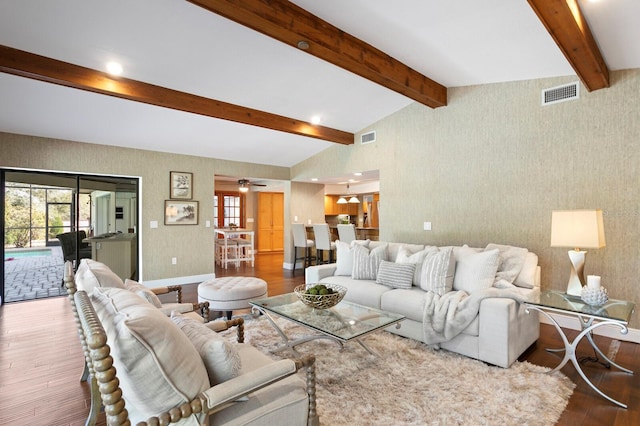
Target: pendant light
[352,199]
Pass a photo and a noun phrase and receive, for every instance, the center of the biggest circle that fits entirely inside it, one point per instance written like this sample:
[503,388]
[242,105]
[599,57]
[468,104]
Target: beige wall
[307,203]
[489,167]
[191,245]
[492,165]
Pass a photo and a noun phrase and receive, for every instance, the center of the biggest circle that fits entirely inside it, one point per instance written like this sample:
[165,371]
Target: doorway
[38,206]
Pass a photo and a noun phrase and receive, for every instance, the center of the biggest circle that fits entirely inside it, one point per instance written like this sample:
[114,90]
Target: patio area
[33,274]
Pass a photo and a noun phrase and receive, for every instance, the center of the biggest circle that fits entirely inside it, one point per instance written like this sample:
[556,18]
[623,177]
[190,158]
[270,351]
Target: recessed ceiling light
[114,68]
[314,179]
[315,119]
[357,174]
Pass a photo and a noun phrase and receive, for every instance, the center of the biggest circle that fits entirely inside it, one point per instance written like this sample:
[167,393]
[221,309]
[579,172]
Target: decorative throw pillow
[365,262]
[344,259]
[143,292]
[92,274]
[344,256]
[396,275]
[511,261]
[160,369]
[527,276]
[437,271]
[220,357]
[405,256]
[475,271]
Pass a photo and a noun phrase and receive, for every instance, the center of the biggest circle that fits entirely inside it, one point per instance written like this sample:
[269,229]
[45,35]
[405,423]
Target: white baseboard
[289,265]
[179,280]
[613,332]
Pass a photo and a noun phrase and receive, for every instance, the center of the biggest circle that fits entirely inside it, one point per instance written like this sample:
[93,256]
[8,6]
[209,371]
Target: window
[228,209]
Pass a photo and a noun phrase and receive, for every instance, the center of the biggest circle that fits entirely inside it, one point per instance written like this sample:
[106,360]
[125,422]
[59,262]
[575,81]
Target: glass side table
[614,312]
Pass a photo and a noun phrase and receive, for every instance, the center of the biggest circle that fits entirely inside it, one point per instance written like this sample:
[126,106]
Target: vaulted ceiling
[240,80]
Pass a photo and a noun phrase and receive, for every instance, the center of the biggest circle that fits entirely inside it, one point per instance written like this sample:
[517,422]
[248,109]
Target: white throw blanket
[444,317]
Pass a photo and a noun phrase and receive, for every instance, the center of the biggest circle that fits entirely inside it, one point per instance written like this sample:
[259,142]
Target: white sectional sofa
[466,300]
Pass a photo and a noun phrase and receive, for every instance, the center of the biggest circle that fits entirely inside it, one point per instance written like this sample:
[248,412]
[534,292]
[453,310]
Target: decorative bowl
[321,301]
[594,296]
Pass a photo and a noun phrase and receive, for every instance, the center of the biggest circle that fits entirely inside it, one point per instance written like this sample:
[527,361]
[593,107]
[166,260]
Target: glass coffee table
[342,323]
[613,313]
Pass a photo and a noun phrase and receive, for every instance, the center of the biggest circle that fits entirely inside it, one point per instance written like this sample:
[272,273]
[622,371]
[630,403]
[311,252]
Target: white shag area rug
[412,384]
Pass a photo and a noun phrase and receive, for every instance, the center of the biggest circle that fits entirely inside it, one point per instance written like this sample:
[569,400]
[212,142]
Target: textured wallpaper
[488,168]
[492,165]
[192,245]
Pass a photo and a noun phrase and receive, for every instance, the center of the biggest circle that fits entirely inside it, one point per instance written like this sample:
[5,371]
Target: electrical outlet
[427,226]
[174,260]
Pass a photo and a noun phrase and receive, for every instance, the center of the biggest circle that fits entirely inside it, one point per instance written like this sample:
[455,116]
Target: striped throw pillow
[365,262]
[396,275]
[437,271]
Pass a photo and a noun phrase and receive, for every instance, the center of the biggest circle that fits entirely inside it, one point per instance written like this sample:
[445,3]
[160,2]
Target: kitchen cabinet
[332,208]
[118,251]
[330,205]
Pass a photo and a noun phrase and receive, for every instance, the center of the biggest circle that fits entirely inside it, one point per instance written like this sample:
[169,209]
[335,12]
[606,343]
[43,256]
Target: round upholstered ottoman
[231,293]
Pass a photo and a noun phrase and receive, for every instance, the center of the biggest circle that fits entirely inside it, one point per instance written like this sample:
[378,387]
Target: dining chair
[346,232]
[300,240]
[323,242]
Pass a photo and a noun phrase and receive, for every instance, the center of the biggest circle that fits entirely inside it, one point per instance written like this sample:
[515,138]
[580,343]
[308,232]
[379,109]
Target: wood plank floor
[41,362]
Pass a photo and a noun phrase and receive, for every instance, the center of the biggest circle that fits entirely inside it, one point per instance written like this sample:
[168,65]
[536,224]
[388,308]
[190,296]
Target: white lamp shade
[341,200]
[577,228]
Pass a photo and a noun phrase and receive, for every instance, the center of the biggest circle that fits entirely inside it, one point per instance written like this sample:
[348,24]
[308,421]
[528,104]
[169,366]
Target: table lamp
[577,229]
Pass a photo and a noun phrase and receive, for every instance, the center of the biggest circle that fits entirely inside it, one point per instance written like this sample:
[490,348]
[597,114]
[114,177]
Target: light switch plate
[427,226]
[153,224]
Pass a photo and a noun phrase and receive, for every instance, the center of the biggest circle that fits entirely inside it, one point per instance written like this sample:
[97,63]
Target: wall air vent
[566,92]
[368,137]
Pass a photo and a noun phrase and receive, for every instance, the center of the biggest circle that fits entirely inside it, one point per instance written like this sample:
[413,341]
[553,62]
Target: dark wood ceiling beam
[25,64]
[568,27]
[290,24]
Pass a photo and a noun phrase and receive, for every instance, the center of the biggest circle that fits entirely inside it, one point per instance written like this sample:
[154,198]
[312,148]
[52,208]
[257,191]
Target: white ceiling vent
[368,137]
[566,92]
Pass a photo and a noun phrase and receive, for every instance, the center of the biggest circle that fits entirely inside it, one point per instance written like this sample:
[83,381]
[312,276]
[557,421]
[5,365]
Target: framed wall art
[180,212]
[181,185]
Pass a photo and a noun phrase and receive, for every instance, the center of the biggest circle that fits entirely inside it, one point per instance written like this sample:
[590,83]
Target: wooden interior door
[277,242]
[270,221]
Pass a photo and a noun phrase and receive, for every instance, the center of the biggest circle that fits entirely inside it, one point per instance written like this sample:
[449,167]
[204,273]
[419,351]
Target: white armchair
[92,275]
[166,360]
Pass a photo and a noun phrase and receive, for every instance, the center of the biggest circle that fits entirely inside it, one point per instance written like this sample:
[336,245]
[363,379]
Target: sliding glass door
[41,210]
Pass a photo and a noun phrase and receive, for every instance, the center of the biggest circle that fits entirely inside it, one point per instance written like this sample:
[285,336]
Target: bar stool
[224,257]
[323,242]
[300,240]
[243,246]
[346,233]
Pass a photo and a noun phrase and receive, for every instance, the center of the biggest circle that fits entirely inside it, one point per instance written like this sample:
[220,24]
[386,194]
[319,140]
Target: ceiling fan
[244,184]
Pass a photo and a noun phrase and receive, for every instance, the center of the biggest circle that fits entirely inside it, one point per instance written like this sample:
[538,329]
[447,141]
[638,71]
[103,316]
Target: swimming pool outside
[28,252]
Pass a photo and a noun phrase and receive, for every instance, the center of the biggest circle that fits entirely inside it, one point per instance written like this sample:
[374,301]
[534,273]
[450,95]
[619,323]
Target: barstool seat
[323,242]
[300,240]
